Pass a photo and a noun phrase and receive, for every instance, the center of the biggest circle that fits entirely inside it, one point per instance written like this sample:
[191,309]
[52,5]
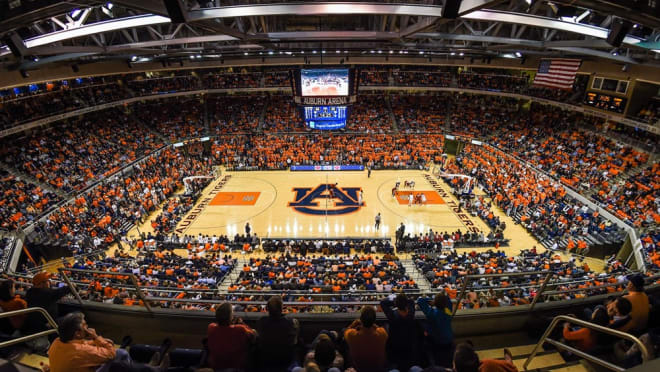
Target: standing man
[368,172]
[247,229]
[377,221]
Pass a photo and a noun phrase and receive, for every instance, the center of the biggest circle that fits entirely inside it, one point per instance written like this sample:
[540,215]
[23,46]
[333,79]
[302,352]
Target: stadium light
[518,54]
[95,28]
[461,54]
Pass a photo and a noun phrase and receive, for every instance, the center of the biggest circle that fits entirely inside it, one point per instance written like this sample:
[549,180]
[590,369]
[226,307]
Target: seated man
[639,301]
[80,349]
[278,336]
[366,342]
[228,340]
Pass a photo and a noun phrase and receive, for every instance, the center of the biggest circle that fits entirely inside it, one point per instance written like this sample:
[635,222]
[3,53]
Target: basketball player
[360,197]
[377,226]
[423,197]
[394,191]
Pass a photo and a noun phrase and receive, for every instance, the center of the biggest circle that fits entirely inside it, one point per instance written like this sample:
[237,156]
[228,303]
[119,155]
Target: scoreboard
[325,117]
[324,95]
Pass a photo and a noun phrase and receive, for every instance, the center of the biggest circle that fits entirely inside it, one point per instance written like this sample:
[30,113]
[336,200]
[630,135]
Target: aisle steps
[233,275]
[544,360]
[423,284]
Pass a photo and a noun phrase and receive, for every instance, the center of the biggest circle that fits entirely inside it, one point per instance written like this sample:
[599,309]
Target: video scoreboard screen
[325,117]
[324,82]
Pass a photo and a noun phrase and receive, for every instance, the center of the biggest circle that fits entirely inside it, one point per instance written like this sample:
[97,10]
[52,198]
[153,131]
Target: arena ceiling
[43,33]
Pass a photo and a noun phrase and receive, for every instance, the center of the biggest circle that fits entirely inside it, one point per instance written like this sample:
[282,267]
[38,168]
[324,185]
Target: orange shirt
[80,355]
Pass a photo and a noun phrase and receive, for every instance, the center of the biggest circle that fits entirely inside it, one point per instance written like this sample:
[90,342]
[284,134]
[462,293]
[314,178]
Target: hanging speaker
[618,32]
[451,8]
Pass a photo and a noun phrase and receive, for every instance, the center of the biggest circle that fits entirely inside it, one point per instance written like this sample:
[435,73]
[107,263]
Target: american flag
[557,73]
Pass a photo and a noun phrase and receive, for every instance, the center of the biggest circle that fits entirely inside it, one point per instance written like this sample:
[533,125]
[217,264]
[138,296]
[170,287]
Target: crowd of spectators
[277,79]
[234,80]
[162,85]
[436,241]
[82,151]
[22,202]
[649,113]
[174,118]
[635,200]
[282,115]
[370,115]
[97,218]
[421,113]
[374,77]
[324,274]
[540,204]
[235,114]
[326,247]
[381,151]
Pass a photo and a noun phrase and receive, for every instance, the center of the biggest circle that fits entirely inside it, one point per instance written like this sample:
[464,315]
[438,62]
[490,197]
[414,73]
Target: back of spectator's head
[465,359]
[223,314]
[41,280]
[623,306]
[274,306]
[636,283]
[441,301]
[324,352]
[312,367]
[6,290]
[600,316]
[367,316]
[69,325]
[401,301]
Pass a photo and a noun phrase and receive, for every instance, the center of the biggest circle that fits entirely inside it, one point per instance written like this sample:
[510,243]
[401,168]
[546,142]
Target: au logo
[327,199]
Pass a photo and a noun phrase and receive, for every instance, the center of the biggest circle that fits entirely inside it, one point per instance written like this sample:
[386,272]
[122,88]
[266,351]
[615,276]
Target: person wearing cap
[42,295]
[639,301]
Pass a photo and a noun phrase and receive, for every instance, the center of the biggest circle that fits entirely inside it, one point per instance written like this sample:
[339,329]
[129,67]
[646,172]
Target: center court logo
[327,199]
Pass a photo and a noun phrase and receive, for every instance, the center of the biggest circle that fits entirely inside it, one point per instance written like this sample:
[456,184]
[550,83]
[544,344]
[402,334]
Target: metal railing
[74,289]
[33,336]
[469,278]
[562,346]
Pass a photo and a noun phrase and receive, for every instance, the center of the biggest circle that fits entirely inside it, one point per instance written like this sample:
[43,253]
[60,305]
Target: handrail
[584,355]
[468,278]
[33,336]
[74,289]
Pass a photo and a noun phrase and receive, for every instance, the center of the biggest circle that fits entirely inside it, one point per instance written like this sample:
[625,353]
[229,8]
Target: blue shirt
[439,322]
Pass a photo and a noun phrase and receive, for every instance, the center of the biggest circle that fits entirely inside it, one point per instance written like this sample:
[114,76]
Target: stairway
[520,344]
[395,125]
[262,115]
[423,284]
[233,275]
[544,360]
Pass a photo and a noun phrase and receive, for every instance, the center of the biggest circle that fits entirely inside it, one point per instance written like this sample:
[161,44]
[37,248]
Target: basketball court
[281,204]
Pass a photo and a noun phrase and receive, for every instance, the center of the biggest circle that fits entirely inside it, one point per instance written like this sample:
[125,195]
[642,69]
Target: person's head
[274,306]
[367,316]
[41,280]
[465,359]
[635,283]
[441,301]
[401,302]
[7,290]
[312,367]
[324,352]
[600,317]
[623,307]
[72,327]
[223,314]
